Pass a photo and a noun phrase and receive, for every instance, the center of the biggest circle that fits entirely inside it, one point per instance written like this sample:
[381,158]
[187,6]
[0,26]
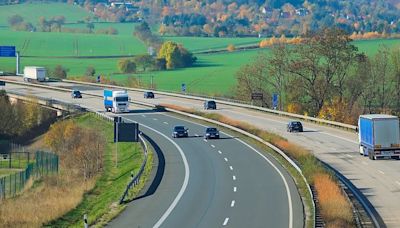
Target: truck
[116,101]
[379,136]
[34,73]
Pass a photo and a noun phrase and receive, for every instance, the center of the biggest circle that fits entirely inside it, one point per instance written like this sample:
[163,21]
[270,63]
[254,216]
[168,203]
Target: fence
[15,182]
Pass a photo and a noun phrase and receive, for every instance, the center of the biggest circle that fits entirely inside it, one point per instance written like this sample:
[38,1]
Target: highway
[378,181]
[205,183]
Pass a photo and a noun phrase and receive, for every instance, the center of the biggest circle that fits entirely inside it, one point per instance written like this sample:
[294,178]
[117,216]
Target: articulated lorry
[34,73]
[379,136]
[116,101]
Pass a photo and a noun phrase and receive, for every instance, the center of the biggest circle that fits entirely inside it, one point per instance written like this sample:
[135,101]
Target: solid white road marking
[234,177]
[185,180]
[212,146]
[234,189]
[230,167]
[220,152]
[225,221]
[226,159]
[266,159]
[165,122]
[381,171]
[233,203]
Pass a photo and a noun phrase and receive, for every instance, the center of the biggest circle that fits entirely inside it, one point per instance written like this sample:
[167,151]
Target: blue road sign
[7,51]
[275,100]
[183,87]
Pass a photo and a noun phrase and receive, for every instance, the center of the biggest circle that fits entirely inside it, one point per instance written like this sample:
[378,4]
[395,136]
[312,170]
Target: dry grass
[42,203]
[336,210]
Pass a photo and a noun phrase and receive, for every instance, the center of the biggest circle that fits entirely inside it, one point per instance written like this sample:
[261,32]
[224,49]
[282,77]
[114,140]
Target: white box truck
[116,101]
[379,136]
[34,73]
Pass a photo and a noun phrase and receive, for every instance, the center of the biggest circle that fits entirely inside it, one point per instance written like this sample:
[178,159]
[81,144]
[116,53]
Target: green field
[213,74]
[32,11]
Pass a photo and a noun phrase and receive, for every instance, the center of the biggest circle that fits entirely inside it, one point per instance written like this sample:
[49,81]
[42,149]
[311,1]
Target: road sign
[2,83]
[256,96]
[98,78]
[7,51]
[275,100]
[183,87]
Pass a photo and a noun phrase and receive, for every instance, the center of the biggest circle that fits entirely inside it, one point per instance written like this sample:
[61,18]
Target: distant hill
[273,17]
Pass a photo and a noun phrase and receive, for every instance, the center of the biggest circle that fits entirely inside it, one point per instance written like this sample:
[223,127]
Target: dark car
[148,94]
[76,94]
[295,126]
[210,104]
[180,131]
[211,133]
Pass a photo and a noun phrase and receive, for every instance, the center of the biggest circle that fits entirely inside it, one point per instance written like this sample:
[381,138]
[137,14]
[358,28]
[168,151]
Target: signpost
[256,96]
[183,87]
[9,51]
[275,100]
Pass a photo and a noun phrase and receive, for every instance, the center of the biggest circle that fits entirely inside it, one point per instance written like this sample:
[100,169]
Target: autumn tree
[143,61]
[321,66]
[175,55]
[60,72]
[126,66]
[90,71]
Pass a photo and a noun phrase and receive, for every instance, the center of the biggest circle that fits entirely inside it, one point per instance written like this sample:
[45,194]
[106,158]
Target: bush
[60,72]
[90,71]
[126,66]
[231,47]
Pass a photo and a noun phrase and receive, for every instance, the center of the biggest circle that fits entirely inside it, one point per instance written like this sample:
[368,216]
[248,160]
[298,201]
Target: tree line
[325,76]
[17,119]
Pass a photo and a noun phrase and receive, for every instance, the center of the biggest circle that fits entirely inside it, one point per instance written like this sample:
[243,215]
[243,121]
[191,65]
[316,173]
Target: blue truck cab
[116,101]
[379,136]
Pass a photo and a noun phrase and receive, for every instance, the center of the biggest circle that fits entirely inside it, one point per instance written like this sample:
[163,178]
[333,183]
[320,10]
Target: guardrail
[229,102]
[135,179]
[350,127]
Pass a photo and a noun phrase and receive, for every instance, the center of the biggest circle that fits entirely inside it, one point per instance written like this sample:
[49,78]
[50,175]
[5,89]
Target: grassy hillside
[70,44]
[32,11]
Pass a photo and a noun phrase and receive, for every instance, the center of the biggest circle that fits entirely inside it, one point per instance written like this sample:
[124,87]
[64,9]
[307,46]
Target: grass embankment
[335,208]
[67,197]
[101,203]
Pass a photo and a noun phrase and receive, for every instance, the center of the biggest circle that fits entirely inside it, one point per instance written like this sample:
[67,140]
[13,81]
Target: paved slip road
[227,182]
[378,181]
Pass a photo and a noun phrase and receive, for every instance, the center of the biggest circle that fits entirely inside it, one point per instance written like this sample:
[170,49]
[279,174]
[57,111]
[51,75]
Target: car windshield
[119,99]
[296,124]
[211,129]
[179,128]
[77,92]
[211,102]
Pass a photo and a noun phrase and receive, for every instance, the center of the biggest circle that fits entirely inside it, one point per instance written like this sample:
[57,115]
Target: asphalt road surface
[202,183]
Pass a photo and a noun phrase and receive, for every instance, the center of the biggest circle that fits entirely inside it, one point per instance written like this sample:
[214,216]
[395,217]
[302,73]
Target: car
[294,126]
[211,132]
[180,131]
[76,94]
[148,94]
[210,104]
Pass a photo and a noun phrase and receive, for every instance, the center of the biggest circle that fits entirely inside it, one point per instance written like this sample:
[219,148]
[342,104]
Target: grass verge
[335,208]
[101,202]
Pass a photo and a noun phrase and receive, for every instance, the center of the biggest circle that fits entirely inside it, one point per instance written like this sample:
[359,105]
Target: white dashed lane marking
[225,221]
[220,152]
[230,167]
[234,177]
[234,189]
[212,146]
[233,203]
[226,159]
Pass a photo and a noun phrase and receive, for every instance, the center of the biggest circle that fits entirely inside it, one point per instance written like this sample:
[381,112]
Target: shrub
[90,71]
[126,66]
[60,72]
